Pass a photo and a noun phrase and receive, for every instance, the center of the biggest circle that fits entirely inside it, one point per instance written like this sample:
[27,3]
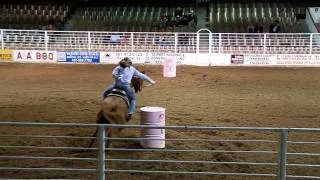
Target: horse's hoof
[129,117]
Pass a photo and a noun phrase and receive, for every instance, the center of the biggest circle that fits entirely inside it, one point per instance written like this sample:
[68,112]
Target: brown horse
[114,110]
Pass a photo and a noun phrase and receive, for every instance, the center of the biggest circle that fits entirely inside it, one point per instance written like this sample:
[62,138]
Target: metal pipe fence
[201,42]
[60,150]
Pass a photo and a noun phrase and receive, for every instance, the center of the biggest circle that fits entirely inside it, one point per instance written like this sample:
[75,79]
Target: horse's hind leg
[100,120]
[109,135]
[94,137]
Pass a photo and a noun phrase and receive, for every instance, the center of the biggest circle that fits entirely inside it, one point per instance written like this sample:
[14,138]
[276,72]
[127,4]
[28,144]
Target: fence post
[101,135]
[210,48]
[132,42]
[282,171]
[46,40]
[175,42]
[198,42]
[264,43]
[210,42]
[220,39]
[311,40]
[2,43]
[89,40]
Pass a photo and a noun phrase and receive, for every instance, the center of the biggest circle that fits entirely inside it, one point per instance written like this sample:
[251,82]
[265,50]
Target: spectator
[256,28]
[193,16]
[124,40]
[261,29]
[164,21]
[274,27]
[183,39]
[50,27]
[178,12]
[115,38]
[160,41]
[106,39]
[58,23]
[250,29]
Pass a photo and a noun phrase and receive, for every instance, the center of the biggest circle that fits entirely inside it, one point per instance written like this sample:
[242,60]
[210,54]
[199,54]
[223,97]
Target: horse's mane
[137,83]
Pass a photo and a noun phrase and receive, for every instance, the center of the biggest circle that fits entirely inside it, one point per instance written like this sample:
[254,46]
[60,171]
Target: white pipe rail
[244,43]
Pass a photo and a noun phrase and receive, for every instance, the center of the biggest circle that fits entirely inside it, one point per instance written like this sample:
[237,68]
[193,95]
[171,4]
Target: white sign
[259,59]
[282,59]
[115,57]
[139,57]
[297,59]
[35,56]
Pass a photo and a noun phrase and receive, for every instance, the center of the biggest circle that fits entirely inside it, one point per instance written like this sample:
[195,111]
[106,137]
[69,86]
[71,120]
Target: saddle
[119,93]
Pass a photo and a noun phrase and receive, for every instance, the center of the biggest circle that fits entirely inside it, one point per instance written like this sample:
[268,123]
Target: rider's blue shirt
[124,75]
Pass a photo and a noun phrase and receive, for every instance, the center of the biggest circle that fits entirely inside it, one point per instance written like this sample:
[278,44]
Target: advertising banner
[282,59]
[79,57]
[6,54]
[115,57]
[34,56]
[237,59]
[259,59]
[140,57]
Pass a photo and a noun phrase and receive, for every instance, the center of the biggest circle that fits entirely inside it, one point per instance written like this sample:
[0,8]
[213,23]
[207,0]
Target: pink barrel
[169,66]
[153,116]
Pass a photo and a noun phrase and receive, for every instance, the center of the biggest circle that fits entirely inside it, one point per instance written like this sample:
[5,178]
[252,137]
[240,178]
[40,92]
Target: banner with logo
[237,59]
[6,54]
[34,56]
[259,59]
[298,59]
[139,57]
[79,57]
[282,59]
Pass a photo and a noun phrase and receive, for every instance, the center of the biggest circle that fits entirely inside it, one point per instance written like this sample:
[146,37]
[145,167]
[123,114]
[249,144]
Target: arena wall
[223,49]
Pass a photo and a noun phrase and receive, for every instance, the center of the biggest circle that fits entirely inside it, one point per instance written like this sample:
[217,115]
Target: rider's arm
[115,73]
[143,76]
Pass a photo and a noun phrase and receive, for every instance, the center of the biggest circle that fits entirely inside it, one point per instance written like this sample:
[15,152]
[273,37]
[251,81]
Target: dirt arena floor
[198,96]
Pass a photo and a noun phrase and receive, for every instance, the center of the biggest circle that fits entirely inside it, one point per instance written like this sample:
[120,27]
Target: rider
[123,75]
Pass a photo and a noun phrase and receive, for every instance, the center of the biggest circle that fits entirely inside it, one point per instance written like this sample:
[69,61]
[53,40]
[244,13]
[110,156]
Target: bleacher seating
[122,18]
[236,17]
[30,16]
[224,17]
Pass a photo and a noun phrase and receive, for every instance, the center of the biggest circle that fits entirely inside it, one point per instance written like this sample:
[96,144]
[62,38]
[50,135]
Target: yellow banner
[6,54]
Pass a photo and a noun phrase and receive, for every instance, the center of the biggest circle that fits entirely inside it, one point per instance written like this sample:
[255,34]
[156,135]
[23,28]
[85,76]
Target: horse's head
[137,83]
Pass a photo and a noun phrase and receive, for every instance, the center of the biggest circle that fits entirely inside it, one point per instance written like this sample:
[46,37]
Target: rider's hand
[152,82]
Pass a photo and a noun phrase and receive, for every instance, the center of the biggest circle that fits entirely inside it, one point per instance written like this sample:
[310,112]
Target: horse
[114,109]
